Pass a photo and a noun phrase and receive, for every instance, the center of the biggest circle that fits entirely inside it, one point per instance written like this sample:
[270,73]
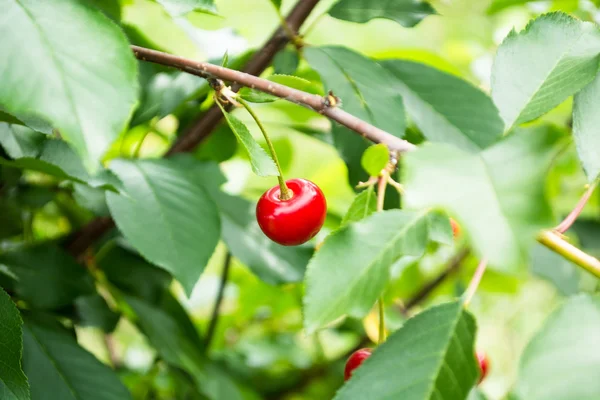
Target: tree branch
[309,100]
[577,256]
[572,217]
[210,332]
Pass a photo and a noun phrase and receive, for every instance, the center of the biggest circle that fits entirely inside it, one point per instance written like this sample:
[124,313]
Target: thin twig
[475,280]
[572,217]
[557,244]
[312,101]
[210,332]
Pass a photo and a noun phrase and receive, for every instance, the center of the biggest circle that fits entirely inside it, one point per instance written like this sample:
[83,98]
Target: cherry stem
[285,194]
[381,185]
[554,242]
[474,284]
[570,219]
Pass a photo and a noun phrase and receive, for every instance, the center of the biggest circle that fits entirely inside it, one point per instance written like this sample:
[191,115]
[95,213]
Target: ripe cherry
[294,221]
[355,360]
[483,364]
[455,228]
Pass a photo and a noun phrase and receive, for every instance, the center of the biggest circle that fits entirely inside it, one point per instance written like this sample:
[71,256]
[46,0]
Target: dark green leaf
[20,141]
[92,310]
[47,277]
[134,275]
[497,196]
[375,159]
[537,69]
[256,96]
[172,343]
[167,216]
[11,221]
[555,269]
[430,357]
[405,12]
[276,4]
[561,361]
[262,163]
[220,146]
[351,269]
[88,98]
[13,382]
[363,205]
[586,128]
[177,8]
[365,90]
[271,262]
[286,62]
[446,108]
[58,368]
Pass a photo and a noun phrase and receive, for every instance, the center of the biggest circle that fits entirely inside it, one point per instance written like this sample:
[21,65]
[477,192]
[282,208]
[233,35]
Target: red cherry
[455,227]
[355,360]
[294,221]
[483,364]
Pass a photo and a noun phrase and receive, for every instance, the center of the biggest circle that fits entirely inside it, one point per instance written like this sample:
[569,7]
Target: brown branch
[80,240]
[312,101]
[259,62]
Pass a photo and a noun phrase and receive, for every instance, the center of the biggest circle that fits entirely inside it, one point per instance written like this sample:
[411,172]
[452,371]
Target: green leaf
[537,69]
[256,96]
[220,146]
[430,357]
[586,128]
[366,92]
[407,13]
[286,62]
[20,141]
[177,8]
[561,361]
[564,275]
[440,229]
[497,196]
[167,216]
[61,78]
[47,277]
[351,269]
[58,368]
[172,343]
[272,263]
[262,163]
[276,4]
[375,159]
[363,205]
[134,275]
[446,108]
[499,5]
[92,310]
[11,220]
[13,382]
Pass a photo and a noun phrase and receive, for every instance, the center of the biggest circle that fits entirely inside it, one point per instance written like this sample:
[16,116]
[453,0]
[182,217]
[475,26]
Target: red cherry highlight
[355,360]
[294,221]
[483,365]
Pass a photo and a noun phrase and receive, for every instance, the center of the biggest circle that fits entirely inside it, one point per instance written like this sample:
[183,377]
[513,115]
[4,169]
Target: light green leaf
[166,215]
[13,382]
[440,229]
[431,357]
[446,108]
[561,361]
[272,263]
[405,12]
[58,368]
[61,78]
[497,196]
[350,270]
[178,8]
[256,96]
[174,346]
[363,205]
[47,277]
[365,91]
[20,141]
[375,159]
[537,69]
[586,128]
[262,163]
[563,274]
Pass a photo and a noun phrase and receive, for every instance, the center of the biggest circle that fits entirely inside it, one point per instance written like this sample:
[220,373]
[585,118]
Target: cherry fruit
[355,360]
[455,227]
[483,365]
[296,220]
